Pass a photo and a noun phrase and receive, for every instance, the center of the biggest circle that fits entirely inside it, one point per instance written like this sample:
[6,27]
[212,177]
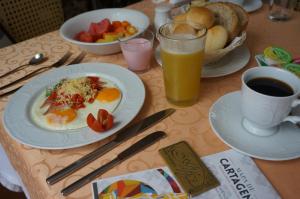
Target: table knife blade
[122,136]
[132,150]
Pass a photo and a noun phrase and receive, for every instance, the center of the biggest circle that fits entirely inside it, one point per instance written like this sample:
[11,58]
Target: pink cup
[138,51]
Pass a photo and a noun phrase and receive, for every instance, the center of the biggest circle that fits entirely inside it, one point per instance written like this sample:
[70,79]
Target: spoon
[36,59]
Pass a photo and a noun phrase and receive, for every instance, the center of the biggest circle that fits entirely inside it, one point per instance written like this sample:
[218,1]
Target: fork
[77,60]
[57,64]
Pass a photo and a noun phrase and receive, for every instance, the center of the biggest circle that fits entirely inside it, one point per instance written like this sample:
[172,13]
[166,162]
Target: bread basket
[215,56]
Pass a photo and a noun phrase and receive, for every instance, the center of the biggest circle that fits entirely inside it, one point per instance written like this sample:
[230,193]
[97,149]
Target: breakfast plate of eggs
[51,111]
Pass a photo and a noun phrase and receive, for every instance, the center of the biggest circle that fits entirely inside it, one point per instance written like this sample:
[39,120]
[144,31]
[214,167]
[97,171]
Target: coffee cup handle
[293,119]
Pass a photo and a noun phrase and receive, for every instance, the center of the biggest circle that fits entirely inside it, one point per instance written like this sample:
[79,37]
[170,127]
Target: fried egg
[66,118]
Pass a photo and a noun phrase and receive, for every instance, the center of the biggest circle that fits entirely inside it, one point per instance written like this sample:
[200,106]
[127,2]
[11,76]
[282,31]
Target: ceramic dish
[19,124]
[226,121]
[81,22]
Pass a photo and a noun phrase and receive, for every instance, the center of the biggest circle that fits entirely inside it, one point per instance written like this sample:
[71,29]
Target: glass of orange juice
[182,54]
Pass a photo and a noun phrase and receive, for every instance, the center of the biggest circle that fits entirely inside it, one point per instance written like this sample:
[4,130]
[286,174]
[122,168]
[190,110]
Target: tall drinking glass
[281,10]
[182,54]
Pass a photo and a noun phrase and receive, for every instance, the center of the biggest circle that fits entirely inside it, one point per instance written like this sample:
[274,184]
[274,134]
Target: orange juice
[182,73]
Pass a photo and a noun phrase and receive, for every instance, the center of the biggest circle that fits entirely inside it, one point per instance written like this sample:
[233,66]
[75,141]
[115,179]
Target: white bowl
[82,22]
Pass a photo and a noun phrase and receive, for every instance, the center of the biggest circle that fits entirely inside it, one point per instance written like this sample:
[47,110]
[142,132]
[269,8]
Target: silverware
[77,60]
[57,64]
[122,136]
[132,150]
[36,59]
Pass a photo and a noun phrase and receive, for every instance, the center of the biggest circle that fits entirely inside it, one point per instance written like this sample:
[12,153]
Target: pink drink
[137,53]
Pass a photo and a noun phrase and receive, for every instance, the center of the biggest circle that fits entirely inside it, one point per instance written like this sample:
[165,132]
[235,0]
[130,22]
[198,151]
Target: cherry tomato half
[103,122]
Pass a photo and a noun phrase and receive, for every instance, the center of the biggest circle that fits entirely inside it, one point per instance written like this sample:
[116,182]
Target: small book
[188,168]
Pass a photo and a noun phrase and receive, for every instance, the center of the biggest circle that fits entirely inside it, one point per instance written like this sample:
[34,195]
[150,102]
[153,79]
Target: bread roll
[200,15]
[184,29]
[242,16]
[198,3]
[226,17]
[216,38]
[180,18]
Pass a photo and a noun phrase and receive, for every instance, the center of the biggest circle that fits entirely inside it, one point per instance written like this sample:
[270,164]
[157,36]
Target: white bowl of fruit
[100,31]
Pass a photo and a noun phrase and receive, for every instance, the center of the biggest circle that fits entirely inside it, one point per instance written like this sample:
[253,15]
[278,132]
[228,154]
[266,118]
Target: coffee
[270,86]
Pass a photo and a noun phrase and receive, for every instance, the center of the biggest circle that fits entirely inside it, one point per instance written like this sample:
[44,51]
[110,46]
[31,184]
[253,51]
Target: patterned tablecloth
[190,124]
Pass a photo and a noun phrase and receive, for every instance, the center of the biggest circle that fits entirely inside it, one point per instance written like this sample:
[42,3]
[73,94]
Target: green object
[282,54]
[277,54]
[188,168]
[294,68]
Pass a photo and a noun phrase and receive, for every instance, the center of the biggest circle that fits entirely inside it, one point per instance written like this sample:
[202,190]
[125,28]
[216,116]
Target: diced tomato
[104,122]
[93,123]
[95,82]
[91,100]
[52,96]
[77,101]
[93,79]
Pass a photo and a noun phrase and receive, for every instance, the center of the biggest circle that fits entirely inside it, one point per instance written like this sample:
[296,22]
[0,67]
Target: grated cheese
[69,87]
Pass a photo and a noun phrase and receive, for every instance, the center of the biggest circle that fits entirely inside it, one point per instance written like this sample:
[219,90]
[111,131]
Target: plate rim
[236,148]
[75,69]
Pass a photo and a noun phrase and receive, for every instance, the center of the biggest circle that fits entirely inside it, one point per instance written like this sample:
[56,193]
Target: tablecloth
[190,124]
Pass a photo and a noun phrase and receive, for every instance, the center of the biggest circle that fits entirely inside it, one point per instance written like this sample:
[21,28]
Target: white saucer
[226,121]
[252,5]
[296,111]
[232,62]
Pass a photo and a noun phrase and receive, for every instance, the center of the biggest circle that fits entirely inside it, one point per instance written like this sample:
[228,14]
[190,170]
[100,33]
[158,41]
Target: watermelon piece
[103,26]
[85,37]
[92,28]
[77,36]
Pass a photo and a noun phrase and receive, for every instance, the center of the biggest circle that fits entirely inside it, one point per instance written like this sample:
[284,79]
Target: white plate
[18,124]
[249,5]
[232,62]
[226,121]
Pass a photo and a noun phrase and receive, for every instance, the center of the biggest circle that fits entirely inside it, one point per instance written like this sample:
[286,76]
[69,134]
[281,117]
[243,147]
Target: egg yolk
[108,94]
[61,116]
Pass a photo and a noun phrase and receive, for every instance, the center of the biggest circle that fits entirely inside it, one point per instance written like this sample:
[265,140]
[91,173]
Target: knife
[132,150]
[122,136]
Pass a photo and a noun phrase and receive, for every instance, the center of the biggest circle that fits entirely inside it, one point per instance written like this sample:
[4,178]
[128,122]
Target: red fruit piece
[93,123]
[103,26]
[85,37]
[92,28]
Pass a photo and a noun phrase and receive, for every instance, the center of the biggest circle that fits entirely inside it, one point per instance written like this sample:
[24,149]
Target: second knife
[122,136]
[130,151]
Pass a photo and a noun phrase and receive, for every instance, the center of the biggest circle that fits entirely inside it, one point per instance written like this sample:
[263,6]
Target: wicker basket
[215,56]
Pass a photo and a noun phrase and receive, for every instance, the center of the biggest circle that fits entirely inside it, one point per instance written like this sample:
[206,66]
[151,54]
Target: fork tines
[57,64]
[78,59]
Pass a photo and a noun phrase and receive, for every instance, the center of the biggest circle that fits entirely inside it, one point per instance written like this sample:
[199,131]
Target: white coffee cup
[264,113]
[239,2]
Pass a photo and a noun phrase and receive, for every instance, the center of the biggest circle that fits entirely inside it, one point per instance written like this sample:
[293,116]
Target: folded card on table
[237,173]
